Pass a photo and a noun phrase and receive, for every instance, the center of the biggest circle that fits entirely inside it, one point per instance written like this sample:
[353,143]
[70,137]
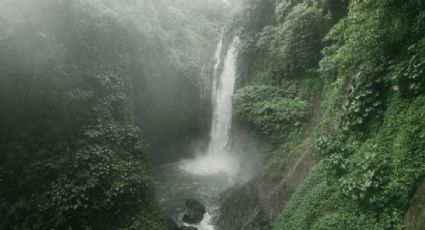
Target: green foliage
[75,77]
[280,86]
[270,111]
[69,78]
[254,16]
[335,152]
[102,181]
[315,205]
[304,206]
[388,166]
[297,41]
[367,44]
[375,180]
[349,221]
[372,175]
[310,88]
[408,76]
[370,139]
[288,47]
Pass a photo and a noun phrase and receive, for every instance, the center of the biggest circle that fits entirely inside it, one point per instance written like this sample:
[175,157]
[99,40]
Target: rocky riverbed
[185,197]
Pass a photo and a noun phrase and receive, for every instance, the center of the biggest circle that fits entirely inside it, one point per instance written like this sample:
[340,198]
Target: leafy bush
[297,41]
[408,76]
[335,152]
[101,181]
[348,221]
[69,157]
[373,160]
[284,48]
[366,47]
[265,109]
[388,167]
[304,206]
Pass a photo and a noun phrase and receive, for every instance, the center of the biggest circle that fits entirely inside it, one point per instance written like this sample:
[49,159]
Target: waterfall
[218,157]
[217,59]
[222,105]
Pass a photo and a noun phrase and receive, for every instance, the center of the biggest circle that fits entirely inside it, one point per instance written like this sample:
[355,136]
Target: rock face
[195,211]
[415,216]
[257,204]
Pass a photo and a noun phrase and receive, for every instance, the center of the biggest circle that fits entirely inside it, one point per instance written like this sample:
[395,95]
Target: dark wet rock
[195,211]
[192,217]
[256,204]
[194,204]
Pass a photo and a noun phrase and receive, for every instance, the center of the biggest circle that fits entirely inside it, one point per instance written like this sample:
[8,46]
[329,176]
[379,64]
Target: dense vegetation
[359,66]
[77,81]
[80,79]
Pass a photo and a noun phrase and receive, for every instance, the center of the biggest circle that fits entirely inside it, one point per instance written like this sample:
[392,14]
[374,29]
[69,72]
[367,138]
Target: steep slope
[367,76]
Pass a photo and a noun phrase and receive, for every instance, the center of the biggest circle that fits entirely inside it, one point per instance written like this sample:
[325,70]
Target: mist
[212,114]
[94,92]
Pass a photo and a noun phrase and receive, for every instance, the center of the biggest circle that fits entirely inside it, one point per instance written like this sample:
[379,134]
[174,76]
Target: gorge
[212,114]
[213,170]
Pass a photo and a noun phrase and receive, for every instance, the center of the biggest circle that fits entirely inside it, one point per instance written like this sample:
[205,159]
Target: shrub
[267,111]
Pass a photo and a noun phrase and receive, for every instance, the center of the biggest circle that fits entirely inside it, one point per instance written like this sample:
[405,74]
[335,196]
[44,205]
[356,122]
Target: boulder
[195,211]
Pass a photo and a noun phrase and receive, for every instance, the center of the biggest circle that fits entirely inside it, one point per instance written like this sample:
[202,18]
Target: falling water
[218,157]
[217,59]
[222,112]
[215,169]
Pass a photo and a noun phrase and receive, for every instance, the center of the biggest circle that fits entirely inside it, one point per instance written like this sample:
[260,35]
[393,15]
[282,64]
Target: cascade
[222,102]
[218,157]
[217,60]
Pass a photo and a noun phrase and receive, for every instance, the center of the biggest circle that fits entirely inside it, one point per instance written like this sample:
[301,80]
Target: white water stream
[214,169]
[218,157]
